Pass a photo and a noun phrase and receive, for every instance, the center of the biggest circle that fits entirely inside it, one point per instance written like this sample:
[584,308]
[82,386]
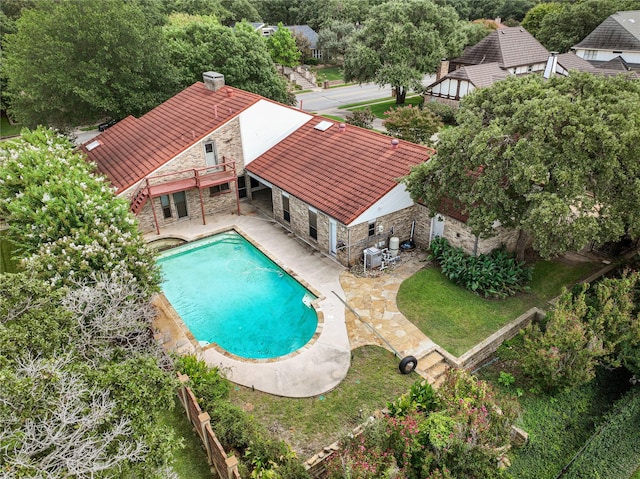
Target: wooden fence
[226,467]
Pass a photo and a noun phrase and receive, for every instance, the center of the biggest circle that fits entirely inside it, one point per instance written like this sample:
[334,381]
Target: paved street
[319,101]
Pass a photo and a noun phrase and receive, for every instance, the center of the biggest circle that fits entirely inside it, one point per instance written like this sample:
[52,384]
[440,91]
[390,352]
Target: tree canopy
[240,54]
[83,381]
[561,28]
[65,221]
[283,48]
[401,42]
[554,159]
[413,124]
[73,62]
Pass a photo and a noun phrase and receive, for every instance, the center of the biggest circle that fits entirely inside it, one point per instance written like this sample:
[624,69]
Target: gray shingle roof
[480,75]
[307,32]
[510,47]
[620,31]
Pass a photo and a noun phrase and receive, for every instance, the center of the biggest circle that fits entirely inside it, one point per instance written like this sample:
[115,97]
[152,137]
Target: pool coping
[311,370]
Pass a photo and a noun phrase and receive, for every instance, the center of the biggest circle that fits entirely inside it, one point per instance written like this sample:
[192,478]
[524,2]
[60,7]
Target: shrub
[362,118]
[260,456]
[496,274]
[563,354]
[206,382]
[412,124]
[446,113]
[453,432]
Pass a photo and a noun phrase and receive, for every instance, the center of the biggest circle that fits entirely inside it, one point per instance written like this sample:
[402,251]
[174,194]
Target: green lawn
[379,109]
[328,74]
[190,462]
[339,119]
[457,319]
[309,424]
[7,129]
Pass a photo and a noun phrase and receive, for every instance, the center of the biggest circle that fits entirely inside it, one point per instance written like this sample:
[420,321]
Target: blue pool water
[227,292]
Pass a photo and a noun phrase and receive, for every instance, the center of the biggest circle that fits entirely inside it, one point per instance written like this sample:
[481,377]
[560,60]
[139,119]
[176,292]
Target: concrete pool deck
[320,366]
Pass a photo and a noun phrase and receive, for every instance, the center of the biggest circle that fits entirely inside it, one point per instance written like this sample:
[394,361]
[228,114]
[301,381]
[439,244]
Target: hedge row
[614,452]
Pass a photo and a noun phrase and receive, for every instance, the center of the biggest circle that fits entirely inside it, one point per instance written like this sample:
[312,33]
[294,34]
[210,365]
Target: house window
[211,153]
[285,208]
[180,200]
[242,186]
[372,228]
[166,206]
[313,223]
[590,54]
[216,189]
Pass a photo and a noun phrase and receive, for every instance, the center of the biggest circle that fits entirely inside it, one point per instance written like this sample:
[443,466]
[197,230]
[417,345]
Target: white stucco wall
[265,124]
[606,55]
[398,198]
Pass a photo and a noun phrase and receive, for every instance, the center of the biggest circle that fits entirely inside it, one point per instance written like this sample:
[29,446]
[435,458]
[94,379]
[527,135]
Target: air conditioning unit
[372,258]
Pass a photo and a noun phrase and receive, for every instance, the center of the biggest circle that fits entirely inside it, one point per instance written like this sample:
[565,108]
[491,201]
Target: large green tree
[556,160]
[282,47]
[401,42]
[73,61]
[240,54]
[562,28]
[334,38]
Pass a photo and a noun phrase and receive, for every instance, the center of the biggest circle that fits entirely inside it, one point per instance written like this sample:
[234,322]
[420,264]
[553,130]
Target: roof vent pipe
[394,143]
[342,127]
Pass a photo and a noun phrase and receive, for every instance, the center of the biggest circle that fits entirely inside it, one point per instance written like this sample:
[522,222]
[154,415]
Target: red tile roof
[340,173]
[135,147]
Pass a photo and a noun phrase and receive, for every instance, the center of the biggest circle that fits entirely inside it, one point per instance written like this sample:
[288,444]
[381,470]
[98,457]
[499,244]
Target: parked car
[107,124]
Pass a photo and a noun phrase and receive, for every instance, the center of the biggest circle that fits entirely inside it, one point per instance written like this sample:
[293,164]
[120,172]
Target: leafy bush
[453,432]
[362,118]
[260,456]
[496,274]
[565,353]
[412,124]
[446,113]
[614,451]
[206,382]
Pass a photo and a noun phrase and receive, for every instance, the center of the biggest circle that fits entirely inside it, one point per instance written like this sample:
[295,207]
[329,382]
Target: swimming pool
[229,293]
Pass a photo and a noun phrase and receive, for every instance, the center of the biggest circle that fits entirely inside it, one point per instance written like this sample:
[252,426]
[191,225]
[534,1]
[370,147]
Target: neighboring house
[303,30]
[200,152]
[502,53]
[310,35]
[615,43]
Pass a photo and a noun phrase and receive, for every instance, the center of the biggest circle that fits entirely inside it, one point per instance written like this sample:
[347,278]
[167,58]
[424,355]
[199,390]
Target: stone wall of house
[422,231]
[359,239]
[299,220]
[224,202]
[228,145]
[458,234]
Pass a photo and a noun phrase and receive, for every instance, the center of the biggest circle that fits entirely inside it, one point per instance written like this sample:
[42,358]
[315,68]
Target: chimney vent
[342,127]
[213,80]
[394,143]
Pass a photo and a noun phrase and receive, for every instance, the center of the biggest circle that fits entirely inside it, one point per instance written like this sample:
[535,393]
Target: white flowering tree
[82,383]
[65,219]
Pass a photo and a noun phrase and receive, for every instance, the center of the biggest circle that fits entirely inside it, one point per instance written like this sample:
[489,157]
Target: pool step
[432,367]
